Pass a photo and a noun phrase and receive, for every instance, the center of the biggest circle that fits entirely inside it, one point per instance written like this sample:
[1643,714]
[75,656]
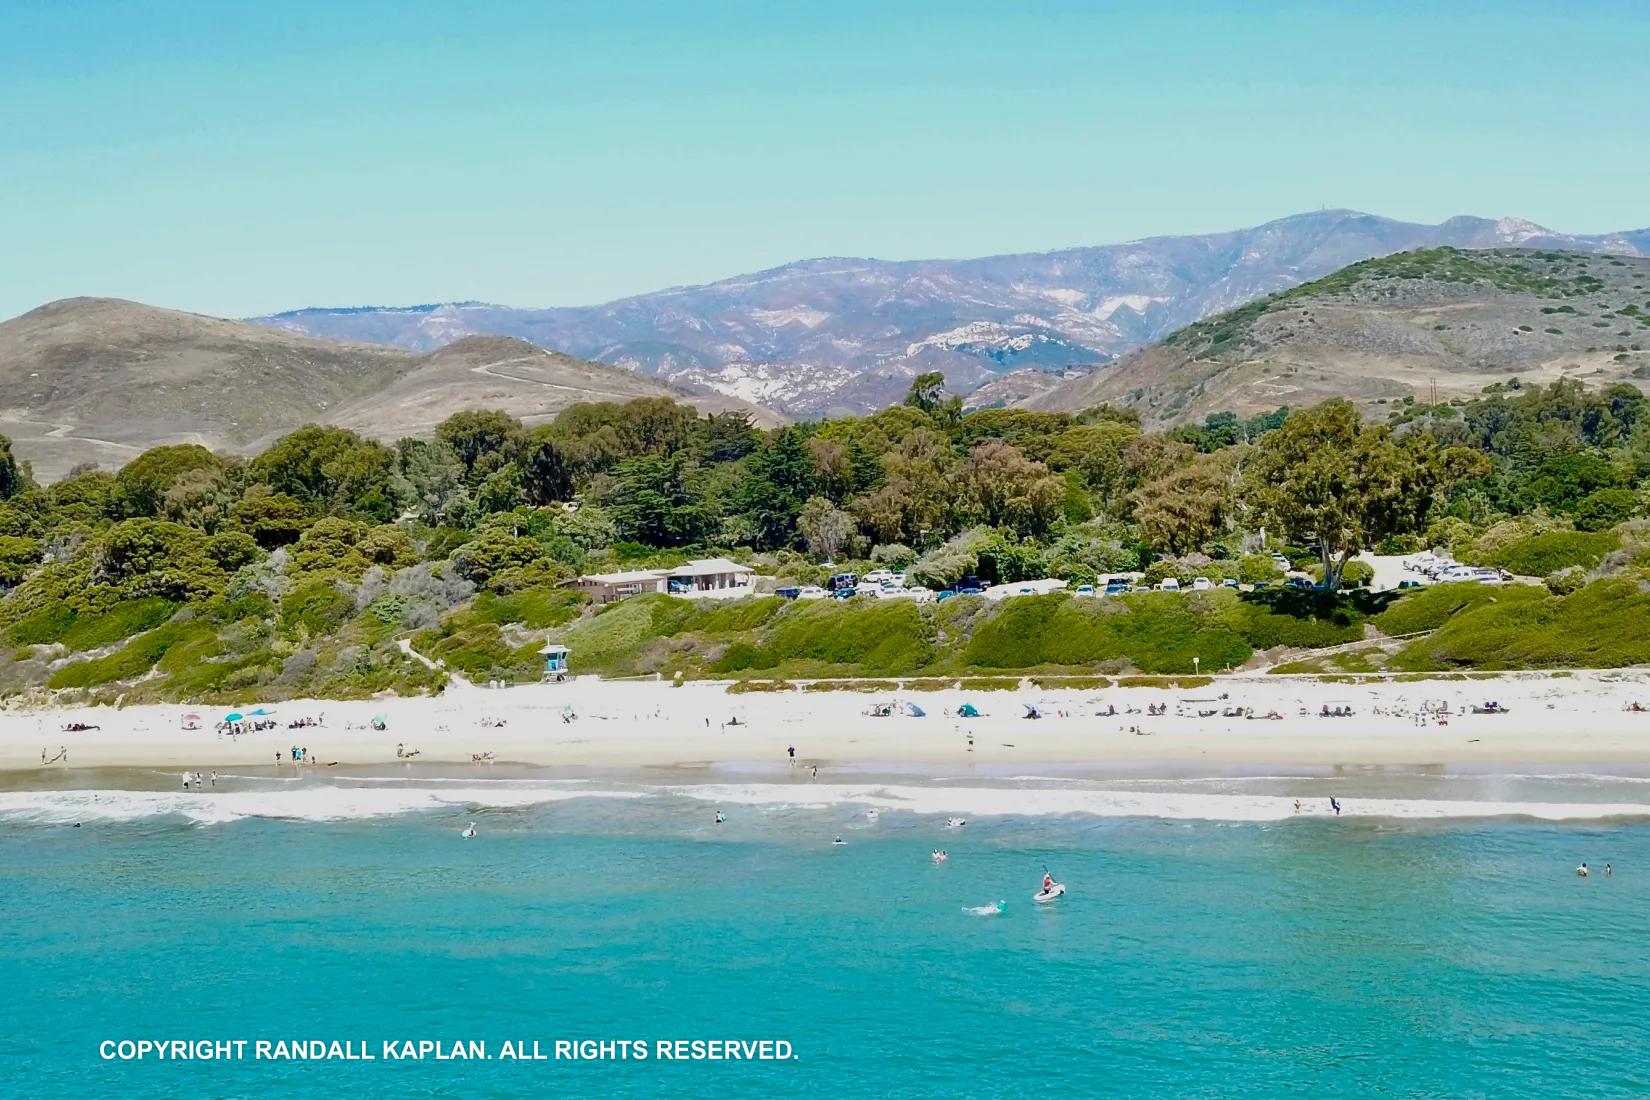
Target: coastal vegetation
[307,569]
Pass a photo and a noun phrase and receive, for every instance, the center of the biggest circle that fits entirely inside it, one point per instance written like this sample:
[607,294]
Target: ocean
[1433,940]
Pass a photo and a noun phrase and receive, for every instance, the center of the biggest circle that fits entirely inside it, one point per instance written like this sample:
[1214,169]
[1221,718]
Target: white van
[1168,584]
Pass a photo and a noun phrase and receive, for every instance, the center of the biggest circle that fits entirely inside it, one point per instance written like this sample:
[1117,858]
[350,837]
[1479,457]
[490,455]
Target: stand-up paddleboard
[1051,893]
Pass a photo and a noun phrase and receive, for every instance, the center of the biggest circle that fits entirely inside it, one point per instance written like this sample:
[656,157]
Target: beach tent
[968,710]
[914,711]
[1032,711]
[234,716]
[262,713]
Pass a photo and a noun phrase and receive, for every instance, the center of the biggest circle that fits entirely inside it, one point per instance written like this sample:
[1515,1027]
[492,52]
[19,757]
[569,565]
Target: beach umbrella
[914,711]
[261,712]
[191,718]
[233,716]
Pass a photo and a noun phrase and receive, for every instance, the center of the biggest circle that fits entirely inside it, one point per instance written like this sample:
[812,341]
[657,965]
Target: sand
[1578,719]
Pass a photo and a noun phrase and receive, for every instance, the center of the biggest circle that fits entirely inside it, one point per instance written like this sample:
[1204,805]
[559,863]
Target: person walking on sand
[792,751]
[816,772]
[1335,805]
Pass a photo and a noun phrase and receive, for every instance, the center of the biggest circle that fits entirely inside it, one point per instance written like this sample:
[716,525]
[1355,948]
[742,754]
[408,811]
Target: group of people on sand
[198,780]
[300,755]
[246,725]
[1334,805]
[62,756]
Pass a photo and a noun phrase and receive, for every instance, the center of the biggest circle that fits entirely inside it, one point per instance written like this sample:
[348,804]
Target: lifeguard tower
[555,663]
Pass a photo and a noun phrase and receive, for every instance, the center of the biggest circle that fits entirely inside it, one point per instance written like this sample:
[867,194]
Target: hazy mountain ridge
[1439,321]
[835,334]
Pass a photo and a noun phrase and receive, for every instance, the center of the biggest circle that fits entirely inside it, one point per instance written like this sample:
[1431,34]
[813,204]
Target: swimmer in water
[838,840]
[940,855]
[470,833]
[1608,870]
[1582,870]
[719,817]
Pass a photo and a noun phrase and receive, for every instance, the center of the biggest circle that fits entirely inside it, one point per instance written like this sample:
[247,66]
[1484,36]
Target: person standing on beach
[1335,805]
[792,751]
[816,772]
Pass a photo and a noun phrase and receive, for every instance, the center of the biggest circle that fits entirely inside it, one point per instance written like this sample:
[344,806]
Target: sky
[241,158]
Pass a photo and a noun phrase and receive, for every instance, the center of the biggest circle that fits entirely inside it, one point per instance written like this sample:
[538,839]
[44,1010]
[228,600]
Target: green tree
[651,503]
[142,483]
[1186,507]
[779,479]
[477,434]
[826,528]
[1328,480]
[272,519]
[926,391]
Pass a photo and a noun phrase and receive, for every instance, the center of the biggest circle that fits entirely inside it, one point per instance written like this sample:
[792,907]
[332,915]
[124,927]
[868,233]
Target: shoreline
[1575,720]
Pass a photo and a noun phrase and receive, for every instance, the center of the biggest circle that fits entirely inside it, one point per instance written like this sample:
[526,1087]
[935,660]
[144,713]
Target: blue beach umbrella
[233,716]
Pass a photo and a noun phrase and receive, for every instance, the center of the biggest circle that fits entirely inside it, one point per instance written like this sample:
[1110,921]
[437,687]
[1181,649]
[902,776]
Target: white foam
[1176,805]
[328,803]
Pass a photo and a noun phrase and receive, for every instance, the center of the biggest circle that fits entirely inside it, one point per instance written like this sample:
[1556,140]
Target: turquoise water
[1360,956]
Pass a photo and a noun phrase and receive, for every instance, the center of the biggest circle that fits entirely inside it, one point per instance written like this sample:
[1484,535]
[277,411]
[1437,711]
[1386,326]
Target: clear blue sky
[238,158]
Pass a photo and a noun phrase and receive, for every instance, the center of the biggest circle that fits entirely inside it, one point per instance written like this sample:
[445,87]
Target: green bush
[123,620]
[315,609]
[1603,625]
[1548,552]
[1429,608]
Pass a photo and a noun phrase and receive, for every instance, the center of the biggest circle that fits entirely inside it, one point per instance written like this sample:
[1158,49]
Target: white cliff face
[846,334]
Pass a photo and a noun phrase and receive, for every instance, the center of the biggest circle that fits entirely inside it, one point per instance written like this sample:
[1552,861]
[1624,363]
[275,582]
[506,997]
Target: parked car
[841,581]
[788,593]
[877,576]
[1083,590]
[1117,588]
[811,592]
[1168,584]
[1229,583]
[1411,583]
[1298,582]
[1201,584]
[1261,586]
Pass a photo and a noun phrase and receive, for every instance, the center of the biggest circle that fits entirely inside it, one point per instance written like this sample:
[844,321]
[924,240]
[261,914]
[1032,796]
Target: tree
[493,552]
[1327,479]
[826,528]
[13,478]
[926,390]
[142,483]
[329,470]
[1184,508]
[546,473]
[779,478]
[272,519]
[1003,488]
[651,503]
[474,434]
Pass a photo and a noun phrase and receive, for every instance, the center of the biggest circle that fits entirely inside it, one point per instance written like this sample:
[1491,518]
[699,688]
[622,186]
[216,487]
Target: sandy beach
[1581,719]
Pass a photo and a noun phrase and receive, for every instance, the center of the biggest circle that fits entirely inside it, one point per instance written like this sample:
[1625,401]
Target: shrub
[1542,554]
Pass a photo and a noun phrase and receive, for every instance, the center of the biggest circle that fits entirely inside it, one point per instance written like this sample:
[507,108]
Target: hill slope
[100,380]
[832,336]
[1440,320]
[500,372]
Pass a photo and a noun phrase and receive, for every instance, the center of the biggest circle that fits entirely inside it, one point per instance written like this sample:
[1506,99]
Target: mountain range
[834,336]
